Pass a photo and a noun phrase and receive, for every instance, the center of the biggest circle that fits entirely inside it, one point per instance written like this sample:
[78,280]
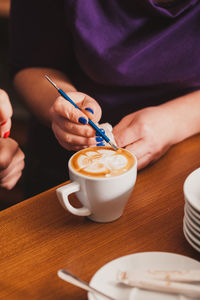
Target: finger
[16,165]
[124,122]
[144,161]
[9,183]
[5,107]
[73,128]
[91,108]
[67,138]
[88,107]
[65,109]
[125,134]
[142,153]
[8,149]
[11,171]
[139,148]
[5,129]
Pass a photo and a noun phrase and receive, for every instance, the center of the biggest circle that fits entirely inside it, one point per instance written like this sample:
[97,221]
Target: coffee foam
[102,161]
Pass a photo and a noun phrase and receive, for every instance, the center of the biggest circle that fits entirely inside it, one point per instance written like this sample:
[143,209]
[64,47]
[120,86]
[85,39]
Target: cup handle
[64,191]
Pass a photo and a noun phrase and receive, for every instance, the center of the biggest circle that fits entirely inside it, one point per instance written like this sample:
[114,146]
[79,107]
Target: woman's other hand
[5,114]
[148,133]
[11,163]
[11,156]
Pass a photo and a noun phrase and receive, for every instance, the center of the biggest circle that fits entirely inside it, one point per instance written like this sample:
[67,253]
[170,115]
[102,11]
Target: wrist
[184,116]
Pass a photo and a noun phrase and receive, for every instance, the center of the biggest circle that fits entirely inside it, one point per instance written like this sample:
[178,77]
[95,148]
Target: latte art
[102,161]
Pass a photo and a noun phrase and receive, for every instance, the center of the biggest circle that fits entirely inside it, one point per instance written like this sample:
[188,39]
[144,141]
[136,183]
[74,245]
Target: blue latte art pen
[90,122]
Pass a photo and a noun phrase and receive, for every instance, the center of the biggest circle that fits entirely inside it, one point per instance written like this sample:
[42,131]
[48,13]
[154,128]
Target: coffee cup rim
[102,178]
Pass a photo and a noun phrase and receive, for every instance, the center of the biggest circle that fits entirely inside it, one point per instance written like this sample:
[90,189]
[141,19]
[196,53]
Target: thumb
[91,108]
[125,132]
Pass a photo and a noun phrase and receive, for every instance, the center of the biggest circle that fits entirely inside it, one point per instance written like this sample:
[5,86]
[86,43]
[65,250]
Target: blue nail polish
[102,130]
[100,144]
[82,120]
[99,139]
[90,110]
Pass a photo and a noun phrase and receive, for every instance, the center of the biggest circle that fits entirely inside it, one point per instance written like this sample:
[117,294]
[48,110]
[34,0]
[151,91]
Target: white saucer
[192,217]
[192,190]
[191,228]
[105,278]
[190,241]
[191,223]
[192,236]
[192,210]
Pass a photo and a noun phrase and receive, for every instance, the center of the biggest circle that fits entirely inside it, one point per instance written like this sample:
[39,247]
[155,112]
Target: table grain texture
[38,237]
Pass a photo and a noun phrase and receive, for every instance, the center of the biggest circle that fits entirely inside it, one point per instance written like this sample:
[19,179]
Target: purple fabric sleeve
[127,54]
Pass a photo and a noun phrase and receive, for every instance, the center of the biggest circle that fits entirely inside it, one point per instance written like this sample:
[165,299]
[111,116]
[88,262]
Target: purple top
[126,54]
[136,53]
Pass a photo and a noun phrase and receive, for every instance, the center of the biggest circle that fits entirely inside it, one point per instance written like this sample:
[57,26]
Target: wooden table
[38,237]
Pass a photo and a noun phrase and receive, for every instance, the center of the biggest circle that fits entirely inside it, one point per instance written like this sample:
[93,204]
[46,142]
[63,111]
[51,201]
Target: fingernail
[99,139]
[102,130]
[3,123]
[82,120]
[100,144]
[6,134]
[90,110]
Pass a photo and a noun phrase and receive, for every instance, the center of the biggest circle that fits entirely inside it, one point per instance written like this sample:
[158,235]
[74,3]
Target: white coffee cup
[103,198]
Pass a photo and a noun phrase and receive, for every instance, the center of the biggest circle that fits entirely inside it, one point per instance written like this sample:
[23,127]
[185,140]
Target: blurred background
[20,116]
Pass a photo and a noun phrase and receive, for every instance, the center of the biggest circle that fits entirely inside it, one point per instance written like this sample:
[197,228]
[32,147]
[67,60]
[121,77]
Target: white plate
[192,217]
[192,236]
[191,189]
[191,228]
[192,210]
[190,241]
[191,223]
[105,278]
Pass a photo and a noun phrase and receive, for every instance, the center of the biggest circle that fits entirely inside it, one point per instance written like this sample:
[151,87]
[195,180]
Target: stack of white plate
[191,221]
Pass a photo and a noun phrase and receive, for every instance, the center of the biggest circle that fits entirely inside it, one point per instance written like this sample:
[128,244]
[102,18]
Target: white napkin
[108,131]
[170,282]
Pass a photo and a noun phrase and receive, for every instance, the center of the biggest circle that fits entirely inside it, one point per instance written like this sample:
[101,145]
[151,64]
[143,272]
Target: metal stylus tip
[113,146]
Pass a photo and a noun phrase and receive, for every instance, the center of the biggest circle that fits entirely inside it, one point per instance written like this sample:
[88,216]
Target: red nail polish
[3,123]
[6,134]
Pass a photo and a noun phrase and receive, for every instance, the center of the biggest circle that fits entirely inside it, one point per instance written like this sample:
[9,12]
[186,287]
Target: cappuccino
[102,161]
[102,180]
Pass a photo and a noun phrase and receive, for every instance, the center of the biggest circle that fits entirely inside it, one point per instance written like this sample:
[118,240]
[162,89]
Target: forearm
[185,115]
[37,93]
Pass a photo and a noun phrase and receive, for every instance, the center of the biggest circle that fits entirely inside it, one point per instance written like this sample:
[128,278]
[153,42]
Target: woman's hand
[69,124]
[11,156]
[11,163]
[5,114]
[148,133]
